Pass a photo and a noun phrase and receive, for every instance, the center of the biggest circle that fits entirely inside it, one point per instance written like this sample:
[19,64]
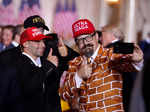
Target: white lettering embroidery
[80,26]
[35,33]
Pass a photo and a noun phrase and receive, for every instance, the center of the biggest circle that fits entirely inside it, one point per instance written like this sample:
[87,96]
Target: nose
[85,42]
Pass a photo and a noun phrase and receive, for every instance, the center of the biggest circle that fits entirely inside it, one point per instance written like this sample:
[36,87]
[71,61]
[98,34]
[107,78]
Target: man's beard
[88,50]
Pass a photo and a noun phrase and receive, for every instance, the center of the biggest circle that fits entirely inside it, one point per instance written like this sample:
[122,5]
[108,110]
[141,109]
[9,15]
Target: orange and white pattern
[102,91]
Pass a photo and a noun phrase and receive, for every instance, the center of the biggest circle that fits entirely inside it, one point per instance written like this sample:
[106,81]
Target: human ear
[96,37]
[26,44]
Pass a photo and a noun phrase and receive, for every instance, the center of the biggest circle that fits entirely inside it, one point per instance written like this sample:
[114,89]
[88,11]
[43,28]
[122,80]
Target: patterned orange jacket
[102,91]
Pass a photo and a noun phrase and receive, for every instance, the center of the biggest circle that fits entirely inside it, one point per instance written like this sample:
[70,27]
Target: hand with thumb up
[52,59]
[85,69]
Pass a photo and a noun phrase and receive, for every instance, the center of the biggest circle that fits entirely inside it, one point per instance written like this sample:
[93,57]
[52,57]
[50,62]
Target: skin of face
[88,48]
[7,36]
[17,38]
[34,48]
[107,38]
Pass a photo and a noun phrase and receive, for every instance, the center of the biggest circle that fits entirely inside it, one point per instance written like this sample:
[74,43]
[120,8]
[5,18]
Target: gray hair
[116,31]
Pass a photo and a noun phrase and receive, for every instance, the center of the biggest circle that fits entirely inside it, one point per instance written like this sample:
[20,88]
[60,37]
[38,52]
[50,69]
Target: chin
[88,53]
[41,53]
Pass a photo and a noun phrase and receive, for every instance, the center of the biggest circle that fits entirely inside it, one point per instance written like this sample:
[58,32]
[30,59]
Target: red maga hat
[81,27]
[31,33]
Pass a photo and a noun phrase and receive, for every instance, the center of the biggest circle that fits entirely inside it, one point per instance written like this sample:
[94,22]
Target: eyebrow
[83,36]
[35,40]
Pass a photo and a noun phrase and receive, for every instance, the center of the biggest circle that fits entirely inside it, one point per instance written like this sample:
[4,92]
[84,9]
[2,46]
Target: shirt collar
[15,43]
[114,41]
[37,62]
[147,40]
[95,54]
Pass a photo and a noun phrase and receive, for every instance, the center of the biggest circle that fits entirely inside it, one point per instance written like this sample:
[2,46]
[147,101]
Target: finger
[136,46]
[85,60]
[61,43]
[61,34]
[137,49]
[61,39]
[53,29]
[55,58]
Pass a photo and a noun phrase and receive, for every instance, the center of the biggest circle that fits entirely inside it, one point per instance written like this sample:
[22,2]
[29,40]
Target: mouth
[88,51]
[88,46]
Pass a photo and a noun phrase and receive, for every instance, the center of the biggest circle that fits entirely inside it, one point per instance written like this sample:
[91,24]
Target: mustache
[88,45]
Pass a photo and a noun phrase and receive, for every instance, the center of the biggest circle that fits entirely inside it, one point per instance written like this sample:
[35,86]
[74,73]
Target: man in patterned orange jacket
[94,81]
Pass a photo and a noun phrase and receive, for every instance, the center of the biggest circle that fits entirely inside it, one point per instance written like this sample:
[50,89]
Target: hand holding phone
[137,54]
[123,48]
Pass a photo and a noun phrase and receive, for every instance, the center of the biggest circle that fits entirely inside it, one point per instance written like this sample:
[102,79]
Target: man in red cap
[32,79]
[94,81]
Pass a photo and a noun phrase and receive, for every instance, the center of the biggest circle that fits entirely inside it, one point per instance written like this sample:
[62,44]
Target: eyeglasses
[87,38]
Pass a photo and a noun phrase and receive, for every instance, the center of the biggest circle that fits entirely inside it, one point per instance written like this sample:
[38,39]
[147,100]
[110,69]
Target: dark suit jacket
[39,86]
[145,84]
[8,47]
[10,56]
[145,46]
[21,84]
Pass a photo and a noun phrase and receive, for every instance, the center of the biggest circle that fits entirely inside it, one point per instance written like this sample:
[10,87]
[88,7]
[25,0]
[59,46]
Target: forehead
[35,41]
[7,31]
[82,36]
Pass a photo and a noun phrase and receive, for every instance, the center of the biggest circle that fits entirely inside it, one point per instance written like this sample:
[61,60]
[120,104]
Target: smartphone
[123,48]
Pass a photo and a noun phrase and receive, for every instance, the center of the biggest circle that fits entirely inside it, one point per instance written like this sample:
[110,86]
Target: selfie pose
[94,80]
[112,37]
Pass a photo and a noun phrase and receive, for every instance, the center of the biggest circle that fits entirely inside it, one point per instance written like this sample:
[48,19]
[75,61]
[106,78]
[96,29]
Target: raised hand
[137,54]
[61,47]
[85,69]
[51,58]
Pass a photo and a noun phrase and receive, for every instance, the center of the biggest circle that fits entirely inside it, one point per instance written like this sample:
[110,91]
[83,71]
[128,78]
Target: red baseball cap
[81,27]
[31,33]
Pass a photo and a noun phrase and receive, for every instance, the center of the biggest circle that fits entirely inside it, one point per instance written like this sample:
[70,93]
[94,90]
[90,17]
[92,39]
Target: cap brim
[52,34]
[42,25]
[39,37]
[45,27]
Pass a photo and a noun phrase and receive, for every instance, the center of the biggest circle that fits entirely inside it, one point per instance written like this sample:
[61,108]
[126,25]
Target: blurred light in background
[112,1]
